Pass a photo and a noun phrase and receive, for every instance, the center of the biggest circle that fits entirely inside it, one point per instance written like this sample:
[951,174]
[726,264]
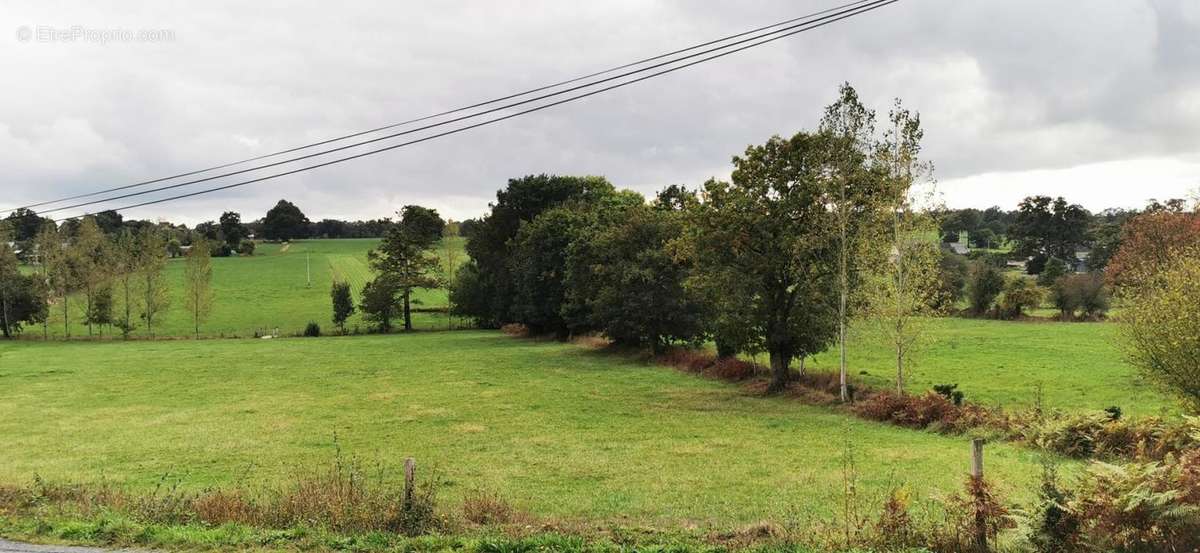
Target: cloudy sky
[1095,100]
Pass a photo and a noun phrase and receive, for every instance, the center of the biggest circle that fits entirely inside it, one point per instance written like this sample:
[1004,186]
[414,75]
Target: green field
[1079,365]
[270,290]
[561,430]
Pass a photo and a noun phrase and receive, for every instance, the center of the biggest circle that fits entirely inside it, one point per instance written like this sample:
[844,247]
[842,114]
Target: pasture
[1078,365]
[558,429]
[270,290]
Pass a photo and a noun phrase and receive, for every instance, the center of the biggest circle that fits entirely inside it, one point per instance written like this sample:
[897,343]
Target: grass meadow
[270,290]
[558,429]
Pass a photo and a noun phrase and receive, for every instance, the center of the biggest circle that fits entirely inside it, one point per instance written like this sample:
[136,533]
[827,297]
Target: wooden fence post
[977,485]
[410,469]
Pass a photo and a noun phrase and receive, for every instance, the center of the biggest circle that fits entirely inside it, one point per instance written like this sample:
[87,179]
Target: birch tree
[152,284]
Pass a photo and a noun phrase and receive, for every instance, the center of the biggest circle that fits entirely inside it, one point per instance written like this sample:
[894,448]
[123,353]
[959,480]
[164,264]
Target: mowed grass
[270,290]
[1078,365]
[558,429]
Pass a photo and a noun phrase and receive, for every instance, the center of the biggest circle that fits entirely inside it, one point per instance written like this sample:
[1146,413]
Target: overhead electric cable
[428,117]
[872,6]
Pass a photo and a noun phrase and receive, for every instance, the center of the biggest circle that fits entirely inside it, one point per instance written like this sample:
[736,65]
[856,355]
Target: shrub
[732,369]
[221,249]
[246,247]
[312,330]
[1019,295]
[984,283]
[1085,292]
[1161,327]
[997,260]
[952,277]
[1053,528]
[515,329]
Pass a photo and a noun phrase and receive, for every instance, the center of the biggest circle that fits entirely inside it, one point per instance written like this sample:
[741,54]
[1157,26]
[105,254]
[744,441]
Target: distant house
[960,246]
[1081,260]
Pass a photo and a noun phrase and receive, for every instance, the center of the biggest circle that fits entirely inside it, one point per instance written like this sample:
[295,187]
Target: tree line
[810,232]
[106,281]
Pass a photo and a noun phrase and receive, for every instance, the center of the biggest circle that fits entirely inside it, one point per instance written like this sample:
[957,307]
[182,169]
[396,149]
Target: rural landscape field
[904,282]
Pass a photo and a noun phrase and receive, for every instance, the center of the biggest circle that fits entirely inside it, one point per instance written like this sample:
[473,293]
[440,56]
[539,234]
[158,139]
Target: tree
[902,292]
[23,226]
[125,266]
[100,311]
[422,223]
[378,302]
[859,196]
[109,221]
[1080,292]
[90,260]
[58,270]
[197,283]
[1018,296]
[489,241]
[343,303]
[765,252]
[1160,326]
[22,298]
[232,229]
[1151,241]
[622,279]
[1054,269]
[403,258]
[952,278]
[448,264]
[285,221]
[1049,227]
[984,284]
[152,284]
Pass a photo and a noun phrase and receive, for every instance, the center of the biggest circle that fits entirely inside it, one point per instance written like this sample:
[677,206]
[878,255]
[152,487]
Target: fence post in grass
[977,483]
[410,469]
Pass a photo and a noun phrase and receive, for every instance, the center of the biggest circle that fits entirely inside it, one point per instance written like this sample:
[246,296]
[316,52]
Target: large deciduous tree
[485,289]
[285,221]
[766,251]
[232,229]
[1045,228]
[1160,324]
[1151,241]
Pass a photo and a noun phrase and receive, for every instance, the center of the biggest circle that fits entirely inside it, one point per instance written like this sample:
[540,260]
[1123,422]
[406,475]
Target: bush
[221,249]
[313,330]
[952,277]
[1019,295]
[951,392]
[984,283]
[1082,292]
[246,247]
[993,259]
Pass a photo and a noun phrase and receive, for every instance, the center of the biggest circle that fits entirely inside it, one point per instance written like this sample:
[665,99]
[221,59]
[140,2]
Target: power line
[872,5]
[428,117]
[877,4]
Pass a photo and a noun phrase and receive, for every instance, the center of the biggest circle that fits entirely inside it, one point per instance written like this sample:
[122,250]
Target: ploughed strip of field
[559,430]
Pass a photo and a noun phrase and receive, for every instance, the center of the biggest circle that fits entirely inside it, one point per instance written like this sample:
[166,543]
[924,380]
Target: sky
[1097,101]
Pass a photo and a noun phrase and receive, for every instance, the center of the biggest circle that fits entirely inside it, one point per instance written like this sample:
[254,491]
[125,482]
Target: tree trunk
[779,372]
[802,365]
[4,323]
[66,318]
[407,310]
[845,393]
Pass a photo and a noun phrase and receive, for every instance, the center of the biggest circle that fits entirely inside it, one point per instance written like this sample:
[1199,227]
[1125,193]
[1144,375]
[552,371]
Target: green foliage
[1054,269]
[1140,507]
[984,284]
[1049,227]
[766,253]
[285,221]
[197,284]
[1019,296]
[404,261]
[379,303]
[22,297]
[952,279]
[421,224]
[1085,293]
[246,247]
[489,240]
[232,229]
[1161,327]
[312,330]
[623,280]
[343,303]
